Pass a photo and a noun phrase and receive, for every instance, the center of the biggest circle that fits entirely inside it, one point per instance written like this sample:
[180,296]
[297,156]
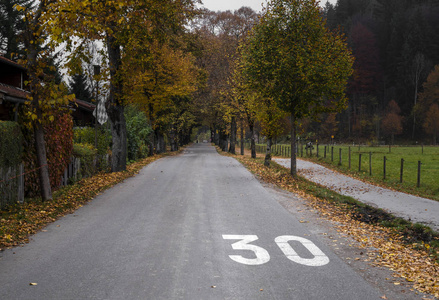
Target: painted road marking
[262,255]
[320,259]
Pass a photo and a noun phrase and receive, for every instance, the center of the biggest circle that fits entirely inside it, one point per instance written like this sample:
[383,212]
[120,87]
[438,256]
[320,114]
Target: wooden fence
[11,185]
[12,180]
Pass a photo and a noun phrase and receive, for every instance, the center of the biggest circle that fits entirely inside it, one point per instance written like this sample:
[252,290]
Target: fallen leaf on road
[33,283]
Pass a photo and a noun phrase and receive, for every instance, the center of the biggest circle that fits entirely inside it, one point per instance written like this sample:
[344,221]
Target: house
[13,93]
[82,113]
[12,88]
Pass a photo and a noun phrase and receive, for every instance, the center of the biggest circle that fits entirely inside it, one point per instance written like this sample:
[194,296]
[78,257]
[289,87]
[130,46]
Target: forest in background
[396,47]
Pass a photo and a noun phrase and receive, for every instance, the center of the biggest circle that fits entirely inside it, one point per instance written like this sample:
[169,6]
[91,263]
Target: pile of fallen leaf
[411,262]
[18,222]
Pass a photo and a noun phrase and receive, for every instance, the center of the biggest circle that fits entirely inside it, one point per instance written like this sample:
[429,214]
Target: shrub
[11,144]
[11,151]
[86,135]
[86,153]
[138,131]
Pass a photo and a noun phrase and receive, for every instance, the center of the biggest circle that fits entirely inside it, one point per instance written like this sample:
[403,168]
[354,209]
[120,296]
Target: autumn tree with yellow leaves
[46,97]
[124,26]
[162,86]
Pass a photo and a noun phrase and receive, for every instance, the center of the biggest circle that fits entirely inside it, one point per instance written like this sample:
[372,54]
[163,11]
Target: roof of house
[85,105]
[13,92]
[11,63]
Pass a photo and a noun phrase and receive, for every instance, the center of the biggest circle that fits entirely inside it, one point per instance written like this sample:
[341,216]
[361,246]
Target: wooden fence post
[419,174]
[384,168]
[21,183]
[402,170]
[370,163]
[339,156]
[349,157]
[359,162]
[332,154]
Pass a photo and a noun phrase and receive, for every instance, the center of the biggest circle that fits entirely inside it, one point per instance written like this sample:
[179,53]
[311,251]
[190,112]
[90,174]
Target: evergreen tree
[11,27]
[78,86]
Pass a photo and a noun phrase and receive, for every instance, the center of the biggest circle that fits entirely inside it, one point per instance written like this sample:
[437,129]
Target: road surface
[193,226]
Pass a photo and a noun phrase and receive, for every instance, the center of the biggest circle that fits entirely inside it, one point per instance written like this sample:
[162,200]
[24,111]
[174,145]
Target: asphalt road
[175,232]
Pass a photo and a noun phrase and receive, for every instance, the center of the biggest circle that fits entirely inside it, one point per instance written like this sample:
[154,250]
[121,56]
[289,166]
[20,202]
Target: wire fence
[411,165]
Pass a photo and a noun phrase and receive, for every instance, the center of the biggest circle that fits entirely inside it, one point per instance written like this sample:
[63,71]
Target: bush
[11,144]
[138,131]
[86,153]
[86,135]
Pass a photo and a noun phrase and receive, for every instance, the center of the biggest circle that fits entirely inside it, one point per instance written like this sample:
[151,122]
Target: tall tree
[366,78]
[12,27]
[221,33]
[122,25]
[161,86]
[427,99]
[293,58]
[46,96]
[431,123]
[392,122]
[417,73]
[78,86]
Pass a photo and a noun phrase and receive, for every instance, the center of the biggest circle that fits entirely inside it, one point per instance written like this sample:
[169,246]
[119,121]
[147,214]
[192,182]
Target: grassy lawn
[374,171]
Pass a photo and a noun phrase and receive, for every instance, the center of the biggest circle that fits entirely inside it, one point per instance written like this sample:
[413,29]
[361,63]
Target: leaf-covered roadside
[19,221]
[409,250]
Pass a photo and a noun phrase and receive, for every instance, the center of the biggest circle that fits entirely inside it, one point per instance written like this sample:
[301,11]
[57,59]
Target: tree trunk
[116,108]
[217,140]
[34,73]
[268,152]
[293,147]
[152,142]
[173,140]
[232,135]
[223,140]
[43,172]
[252,140]
[212,135]
[242,137]
[160,146]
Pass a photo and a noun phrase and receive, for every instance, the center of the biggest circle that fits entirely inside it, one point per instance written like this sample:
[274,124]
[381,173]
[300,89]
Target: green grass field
[427,155]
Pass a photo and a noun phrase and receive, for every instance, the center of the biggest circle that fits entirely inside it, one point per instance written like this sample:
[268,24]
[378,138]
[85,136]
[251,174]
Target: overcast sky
[236,4]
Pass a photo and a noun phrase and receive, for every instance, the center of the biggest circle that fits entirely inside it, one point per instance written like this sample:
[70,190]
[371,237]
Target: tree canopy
[292,57]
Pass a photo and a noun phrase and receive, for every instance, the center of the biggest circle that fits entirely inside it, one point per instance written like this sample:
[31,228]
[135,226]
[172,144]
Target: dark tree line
[396,46]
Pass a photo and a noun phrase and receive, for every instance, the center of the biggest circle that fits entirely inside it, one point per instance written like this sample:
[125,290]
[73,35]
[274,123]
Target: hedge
[11,144]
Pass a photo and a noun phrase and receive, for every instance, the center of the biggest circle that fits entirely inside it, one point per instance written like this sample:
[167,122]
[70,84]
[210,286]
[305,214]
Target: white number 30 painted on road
[262,256]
